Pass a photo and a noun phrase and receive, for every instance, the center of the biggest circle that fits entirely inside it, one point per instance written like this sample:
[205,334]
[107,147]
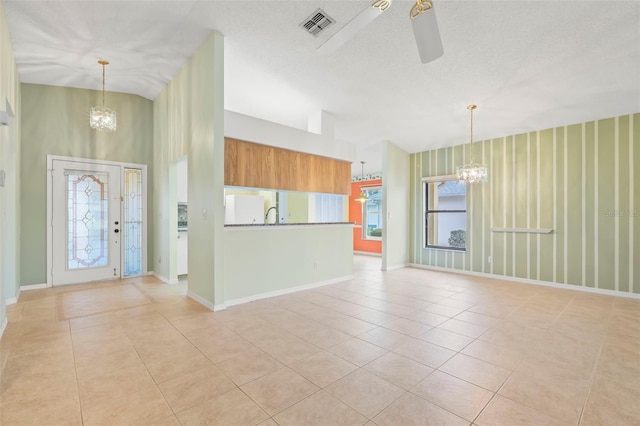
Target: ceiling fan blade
[351,28]
[425,30]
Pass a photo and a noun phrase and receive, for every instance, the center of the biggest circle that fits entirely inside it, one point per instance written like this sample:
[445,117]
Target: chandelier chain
[471,135]
[471,108]
[471,172]
[362,198]
[103,65]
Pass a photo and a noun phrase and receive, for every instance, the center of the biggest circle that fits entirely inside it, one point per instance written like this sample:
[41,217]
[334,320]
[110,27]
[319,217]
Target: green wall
[298,207]
[395,210]
[10,163]
[189,120]
[580,180]
[283,257]
[55,121]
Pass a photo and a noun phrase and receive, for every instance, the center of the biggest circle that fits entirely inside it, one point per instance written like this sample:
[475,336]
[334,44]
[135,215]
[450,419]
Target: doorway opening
[182,201]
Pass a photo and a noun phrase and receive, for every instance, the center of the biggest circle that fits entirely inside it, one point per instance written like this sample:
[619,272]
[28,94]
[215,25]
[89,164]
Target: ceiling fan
[423,20]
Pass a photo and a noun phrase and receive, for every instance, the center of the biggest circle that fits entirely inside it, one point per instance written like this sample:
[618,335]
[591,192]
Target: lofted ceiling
[527,64]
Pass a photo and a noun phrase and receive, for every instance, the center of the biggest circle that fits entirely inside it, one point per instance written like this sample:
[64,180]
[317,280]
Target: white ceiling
[527,64]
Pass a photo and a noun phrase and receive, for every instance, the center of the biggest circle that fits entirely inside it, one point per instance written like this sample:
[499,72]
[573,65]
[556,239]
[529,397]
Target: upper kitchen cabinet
[252,165]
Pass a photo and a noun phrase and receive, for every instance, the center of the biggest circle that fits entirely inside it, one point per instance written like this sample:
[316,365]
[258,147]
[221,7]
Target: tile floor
[398,348]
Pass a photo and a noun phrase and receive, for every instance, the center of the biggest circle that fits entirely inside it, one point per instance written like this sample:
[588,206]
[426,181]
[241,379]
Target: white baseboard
[165,280]
[287,291]
[219,307]
[239,301]
[3,326]
[205,302]
[14,300]
[530,281]
[394,267]
[29,287]
[367,253]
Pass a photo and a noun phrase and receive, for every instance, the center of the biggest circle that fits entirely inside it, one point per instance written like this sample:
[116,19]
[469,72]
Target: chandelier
[472,172]
[101,117]
[362,198]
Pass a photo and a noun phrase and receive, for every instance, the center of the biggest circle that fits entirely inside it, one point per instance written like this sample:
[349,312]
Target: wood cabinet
[253,165]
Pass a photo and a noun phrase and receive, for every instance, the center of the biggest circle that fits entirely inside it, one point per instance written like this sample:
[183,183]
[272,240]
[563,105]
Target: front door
[85,219]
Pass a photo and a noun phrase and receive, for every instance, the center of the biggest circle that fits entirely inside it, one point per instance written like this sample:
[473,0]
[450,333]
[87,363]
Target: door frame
[49,223]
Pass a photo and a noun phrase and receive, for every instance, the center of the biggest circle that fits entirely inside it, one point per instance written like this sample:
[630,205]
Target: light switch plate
[2,177]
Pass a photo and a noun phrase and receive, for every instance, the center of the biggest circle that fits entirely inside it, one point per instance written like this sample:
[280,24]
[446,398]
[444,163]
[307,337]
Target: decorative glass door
[132,222]
[86,206]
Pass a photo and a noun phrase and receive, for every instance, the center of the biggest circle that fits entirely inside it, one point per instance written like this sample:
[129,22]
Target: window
[445,213]
[372,214]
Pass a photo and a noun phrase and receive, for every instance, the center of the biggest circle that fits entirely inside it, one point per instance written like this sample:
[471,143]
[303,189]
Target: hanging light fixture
[362,198]
[472,172]
[101,117]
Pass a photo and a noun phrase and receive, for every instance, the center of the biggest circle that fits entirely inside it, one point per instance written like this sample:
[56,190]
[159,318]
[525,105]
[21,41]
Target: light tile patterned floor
[399,348]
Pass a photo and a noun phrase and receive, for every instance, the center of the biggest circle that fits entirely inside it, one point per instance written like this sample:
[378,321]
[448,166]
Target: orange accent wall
[355,215]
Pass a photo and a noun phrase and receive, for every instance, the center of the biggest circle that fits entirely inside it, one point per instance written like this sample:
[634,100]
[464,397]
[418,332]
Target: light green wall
[10,163]
[298,207]
[580,180]
[264,260]
[189,120]
[55,122]
[395,207]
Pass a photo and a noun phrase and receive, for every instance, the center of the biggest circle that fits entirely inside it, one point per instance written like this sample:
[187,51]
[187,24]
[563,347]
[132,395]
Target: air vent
[316,22]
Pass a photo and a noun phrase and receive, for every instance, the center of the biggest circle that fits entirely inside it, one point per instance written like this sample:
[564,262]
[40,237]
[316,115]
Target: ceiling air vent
[316,22]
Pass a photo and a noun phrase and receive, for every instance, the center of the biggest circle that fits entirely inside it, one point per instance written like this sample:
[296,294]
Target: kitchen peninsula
[264,260]
[291,232]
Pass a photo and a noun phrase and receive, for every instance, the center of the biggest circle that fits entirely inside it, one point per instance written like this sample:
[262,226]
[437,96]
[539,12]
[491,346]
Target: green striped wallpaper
[579,180]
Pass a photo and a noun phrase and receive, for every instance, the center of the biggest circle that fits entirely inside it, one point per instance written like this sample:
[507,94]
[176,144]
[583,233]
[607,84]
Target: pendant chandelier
[362,198]
[101,117]
[472,172]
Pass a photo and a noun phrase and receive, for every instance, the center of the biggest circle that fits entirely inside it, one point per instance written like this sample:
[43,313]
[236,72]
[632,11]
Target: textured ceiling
[527,64]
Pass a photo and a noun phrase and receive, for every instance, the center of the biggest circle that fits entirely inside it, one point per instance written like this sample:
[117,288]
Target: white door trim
[142,167]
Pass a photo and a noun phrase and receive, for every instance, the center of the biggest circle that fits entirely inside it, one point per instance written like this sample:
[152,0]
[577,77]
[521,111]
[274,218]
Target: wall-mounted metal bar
[523,230]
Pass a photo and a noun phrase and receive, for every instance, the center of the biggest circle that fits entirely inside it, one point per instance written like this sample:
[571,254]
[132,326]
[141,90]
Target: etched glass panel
[132,222]
[87,220]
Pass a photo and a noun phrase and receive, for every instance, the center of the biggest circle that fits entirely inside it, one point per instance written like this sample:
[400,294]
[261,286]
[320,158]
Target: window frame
[426,211]
[364,235]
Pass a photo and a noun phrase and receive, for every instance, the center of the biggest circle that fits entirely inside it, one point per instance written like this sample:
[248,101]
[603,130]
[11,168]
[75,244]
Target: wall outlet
[316,264]
[159,259]
[490,259]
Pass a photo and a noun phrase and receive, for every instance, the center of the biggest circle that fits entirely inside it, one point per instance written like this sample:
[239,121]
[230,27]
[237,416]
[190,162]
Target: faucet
[277,214]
